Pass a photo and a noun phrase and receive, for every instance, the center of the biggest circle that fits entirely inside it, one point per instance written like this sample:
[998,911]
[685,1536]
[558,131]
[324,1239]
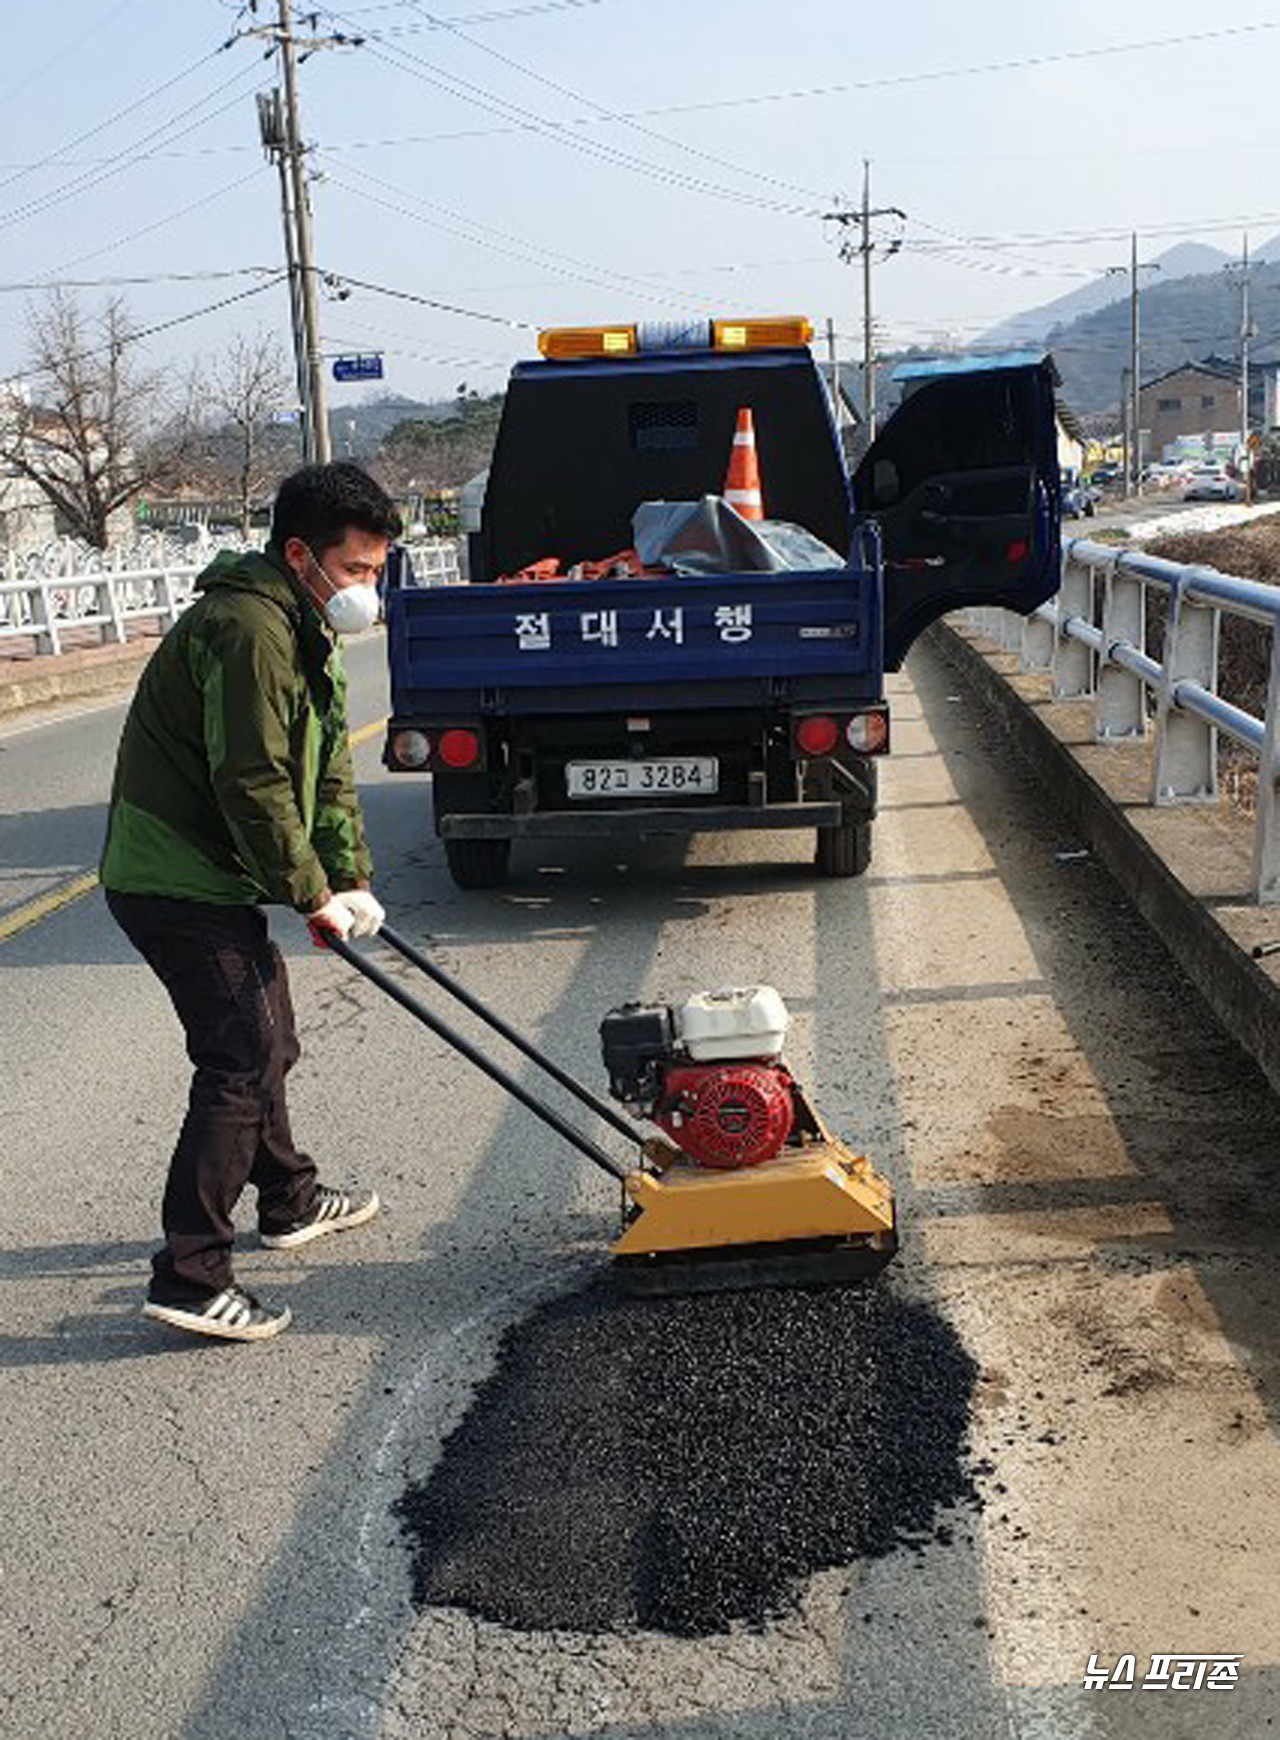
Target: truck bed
[590,646]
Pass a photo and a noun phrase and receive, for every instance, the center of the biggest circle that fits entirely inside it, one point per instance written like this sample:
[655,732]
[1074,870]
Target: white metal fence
[435,562]
[1092,638]
[50,597]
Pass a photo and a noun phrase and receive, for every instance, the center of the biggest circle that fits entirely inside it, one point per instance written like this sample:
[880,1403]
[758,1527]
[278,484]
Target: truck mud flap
[579,823]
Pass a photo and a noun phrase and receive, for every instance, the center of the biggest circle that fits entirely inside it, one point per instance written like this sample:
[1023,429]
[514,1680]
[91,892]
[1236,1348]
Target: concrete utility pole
[1133,450]
[318,421]
[1135,370]
[272,131]
[282,139]
[1247,331]
[865,247]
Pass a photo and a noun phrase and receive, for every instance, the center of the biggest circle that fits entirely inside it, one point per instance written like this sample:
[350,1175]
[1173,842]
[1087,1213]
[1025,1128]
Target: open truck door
[963,484]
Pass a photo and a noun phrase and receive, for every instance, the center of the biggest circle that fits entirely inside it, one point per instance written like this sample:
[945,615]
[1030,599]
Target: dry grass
[1251,550]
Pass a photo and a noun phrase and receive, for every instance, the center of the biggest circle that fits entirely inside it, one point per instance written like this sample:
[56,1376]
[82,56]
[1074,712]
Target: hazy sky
[558,161]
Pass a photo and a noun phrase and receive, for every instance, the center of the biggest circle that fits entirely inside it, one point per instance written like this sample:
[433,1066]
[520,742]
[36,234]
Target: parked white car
[1211,485]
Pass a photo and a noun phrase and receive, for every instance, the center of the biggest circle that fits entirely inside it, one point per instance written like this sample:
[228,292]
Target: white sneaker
[233,1314]
[331,1211]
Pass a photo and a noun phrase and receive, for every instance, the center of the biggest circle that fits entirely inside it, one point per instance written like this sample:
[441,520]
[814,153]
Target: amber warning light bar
[579,343]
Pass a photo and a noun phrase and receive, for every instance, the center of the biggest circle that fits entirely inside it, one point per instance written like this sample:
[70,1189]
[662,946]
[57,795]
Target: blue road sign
[357,368]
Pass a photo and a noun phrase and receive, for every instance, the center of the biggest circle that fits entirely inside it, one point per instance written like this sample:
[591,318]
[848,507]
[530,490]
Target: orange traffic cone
[742,484]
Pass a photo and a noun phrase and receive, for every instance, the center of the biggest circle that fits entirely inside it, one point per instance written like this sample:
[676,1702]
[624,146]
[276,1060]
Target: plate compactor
[743,1186]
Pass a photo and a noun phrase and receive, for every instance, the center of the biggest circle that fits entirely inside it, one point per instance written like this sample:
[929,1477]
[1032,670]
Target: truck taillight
[458,748]
[817,735]
[868,733]
[820,734]
[411,748]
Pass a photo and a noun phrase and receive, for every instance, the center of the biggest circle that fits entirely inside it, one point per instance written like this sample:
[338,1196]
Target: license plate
[675,776]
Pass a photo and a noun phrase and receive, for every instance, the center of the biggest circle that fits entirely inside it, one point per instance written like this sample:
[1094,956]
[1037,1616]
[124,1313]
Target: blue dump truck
[737,690]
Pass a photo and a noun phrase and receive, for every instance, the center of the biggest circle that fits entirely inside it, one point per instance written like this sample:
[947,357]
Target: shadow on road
[1197,1123]
[351,1630]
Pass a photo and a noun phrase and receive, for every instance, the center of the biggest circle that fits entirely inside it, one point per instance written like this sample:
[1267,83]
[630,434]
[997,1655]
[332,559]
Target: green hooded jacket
[233,782]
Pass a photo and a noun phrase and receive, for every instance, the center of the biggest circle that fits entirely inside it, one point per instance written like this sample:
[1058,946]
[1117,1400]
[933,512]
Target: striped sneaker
[330,1211]
[232,1314]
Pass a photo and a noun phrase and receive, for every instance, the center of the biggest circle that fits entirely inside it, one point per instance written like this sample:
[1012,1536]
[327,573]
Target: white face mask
[348,609]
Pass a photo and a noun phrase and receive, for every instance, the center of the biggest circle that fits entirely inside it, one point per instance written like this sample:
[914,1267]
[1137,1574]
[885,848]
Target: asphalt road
[200,1542]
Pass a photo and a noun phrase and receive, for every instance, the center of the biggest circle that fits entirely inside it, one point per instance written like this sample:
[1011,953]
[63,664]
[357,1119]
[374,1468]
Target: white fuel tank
[740,1021]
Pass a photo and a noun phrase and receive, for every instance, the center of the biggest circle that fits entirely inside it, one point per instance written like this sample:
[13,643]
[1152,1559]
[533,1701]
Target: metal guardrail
[1091,638]
[47,601]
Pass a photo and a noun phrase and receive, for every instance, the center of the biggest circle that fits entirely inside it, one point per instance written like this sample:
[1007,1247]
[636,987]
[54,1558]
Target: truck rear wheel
[478,863]
[844,850]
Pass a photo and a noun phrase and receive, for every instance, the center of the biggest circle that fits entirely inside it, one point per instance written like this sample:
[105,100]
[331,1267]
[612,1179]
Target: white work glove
[367,914]
[331,919]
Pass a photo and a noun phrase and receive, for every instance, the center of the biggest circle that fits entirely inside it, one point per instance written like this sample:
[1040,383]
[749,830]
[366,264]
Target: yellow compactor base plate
[817,1214]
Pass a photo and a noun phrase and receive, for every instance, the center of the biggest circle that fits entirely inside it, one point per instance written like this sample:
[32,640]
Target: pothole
[683,1465]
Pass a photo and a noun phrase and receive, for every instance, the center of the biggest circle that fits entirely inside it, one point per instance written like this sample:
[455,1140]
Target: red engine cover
[727,1114]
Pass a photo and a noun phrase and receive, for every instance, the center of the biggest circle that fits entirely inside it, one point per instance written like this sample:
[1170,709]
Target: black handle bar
[593,1102]
[548,1114]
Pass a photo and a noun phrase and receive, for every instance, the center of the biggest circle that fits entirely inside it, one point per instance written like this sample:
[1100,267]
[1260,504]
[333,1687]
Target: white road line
[58,718]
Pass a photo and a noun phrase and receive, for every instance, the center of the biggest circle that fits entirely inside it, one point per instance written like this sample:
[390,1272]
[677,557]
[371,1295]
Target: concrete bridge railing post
[1122,708]
[1267,837]
[1072,660]
[1186,766]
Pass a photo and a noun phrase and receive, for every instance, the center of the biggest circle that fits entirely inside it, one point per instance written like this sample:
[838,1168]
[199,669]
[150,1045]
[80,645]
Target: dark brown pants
[227,982]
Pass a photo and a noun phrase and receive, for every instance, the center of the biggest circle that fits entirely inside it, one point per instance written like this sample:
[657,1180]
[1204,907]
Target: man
[234,790]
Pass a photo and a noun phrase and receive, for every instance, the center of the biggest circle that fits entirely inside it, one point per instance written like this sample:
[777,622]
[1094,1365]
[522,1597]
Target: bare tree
[88,423]
[248,386]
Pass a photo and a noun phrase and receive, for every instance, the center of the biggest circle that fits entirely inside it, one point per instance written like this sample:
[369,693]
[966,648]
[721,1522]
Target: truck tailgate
[588,646]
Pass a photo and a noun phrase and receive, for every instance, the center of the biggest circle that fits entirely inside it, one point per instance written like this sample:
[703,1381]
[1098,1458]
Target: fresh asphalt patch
[682,1465]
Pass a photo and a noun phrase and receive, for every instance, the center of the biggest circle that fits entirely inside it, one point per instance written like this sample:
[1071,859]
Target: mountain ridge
[1182,260]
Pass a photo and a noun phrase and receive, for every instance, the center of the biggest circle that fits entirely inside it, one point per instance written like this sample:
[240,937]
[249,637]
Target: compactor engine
[708,1074]
[742,1185]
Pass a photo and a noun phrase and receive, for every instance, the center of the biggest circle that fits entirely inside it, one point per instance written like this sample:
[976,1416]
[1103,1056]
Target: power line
[468,134]
[209,308]
[1079,238]
[890,80]
[802,94]
[119,115]
[429,302]
[64,53]
[455,86]
[122,283]
[515,248]
[963,242]
[882,82]
[125,159]
[163,222]
[607,114]
[497,17]
[135,336]
[720,267]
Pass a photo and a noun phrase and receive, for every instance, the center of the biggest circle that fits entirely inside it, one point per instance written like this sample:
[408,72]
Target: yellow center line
[365,732]
[23,917]
[35,910]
